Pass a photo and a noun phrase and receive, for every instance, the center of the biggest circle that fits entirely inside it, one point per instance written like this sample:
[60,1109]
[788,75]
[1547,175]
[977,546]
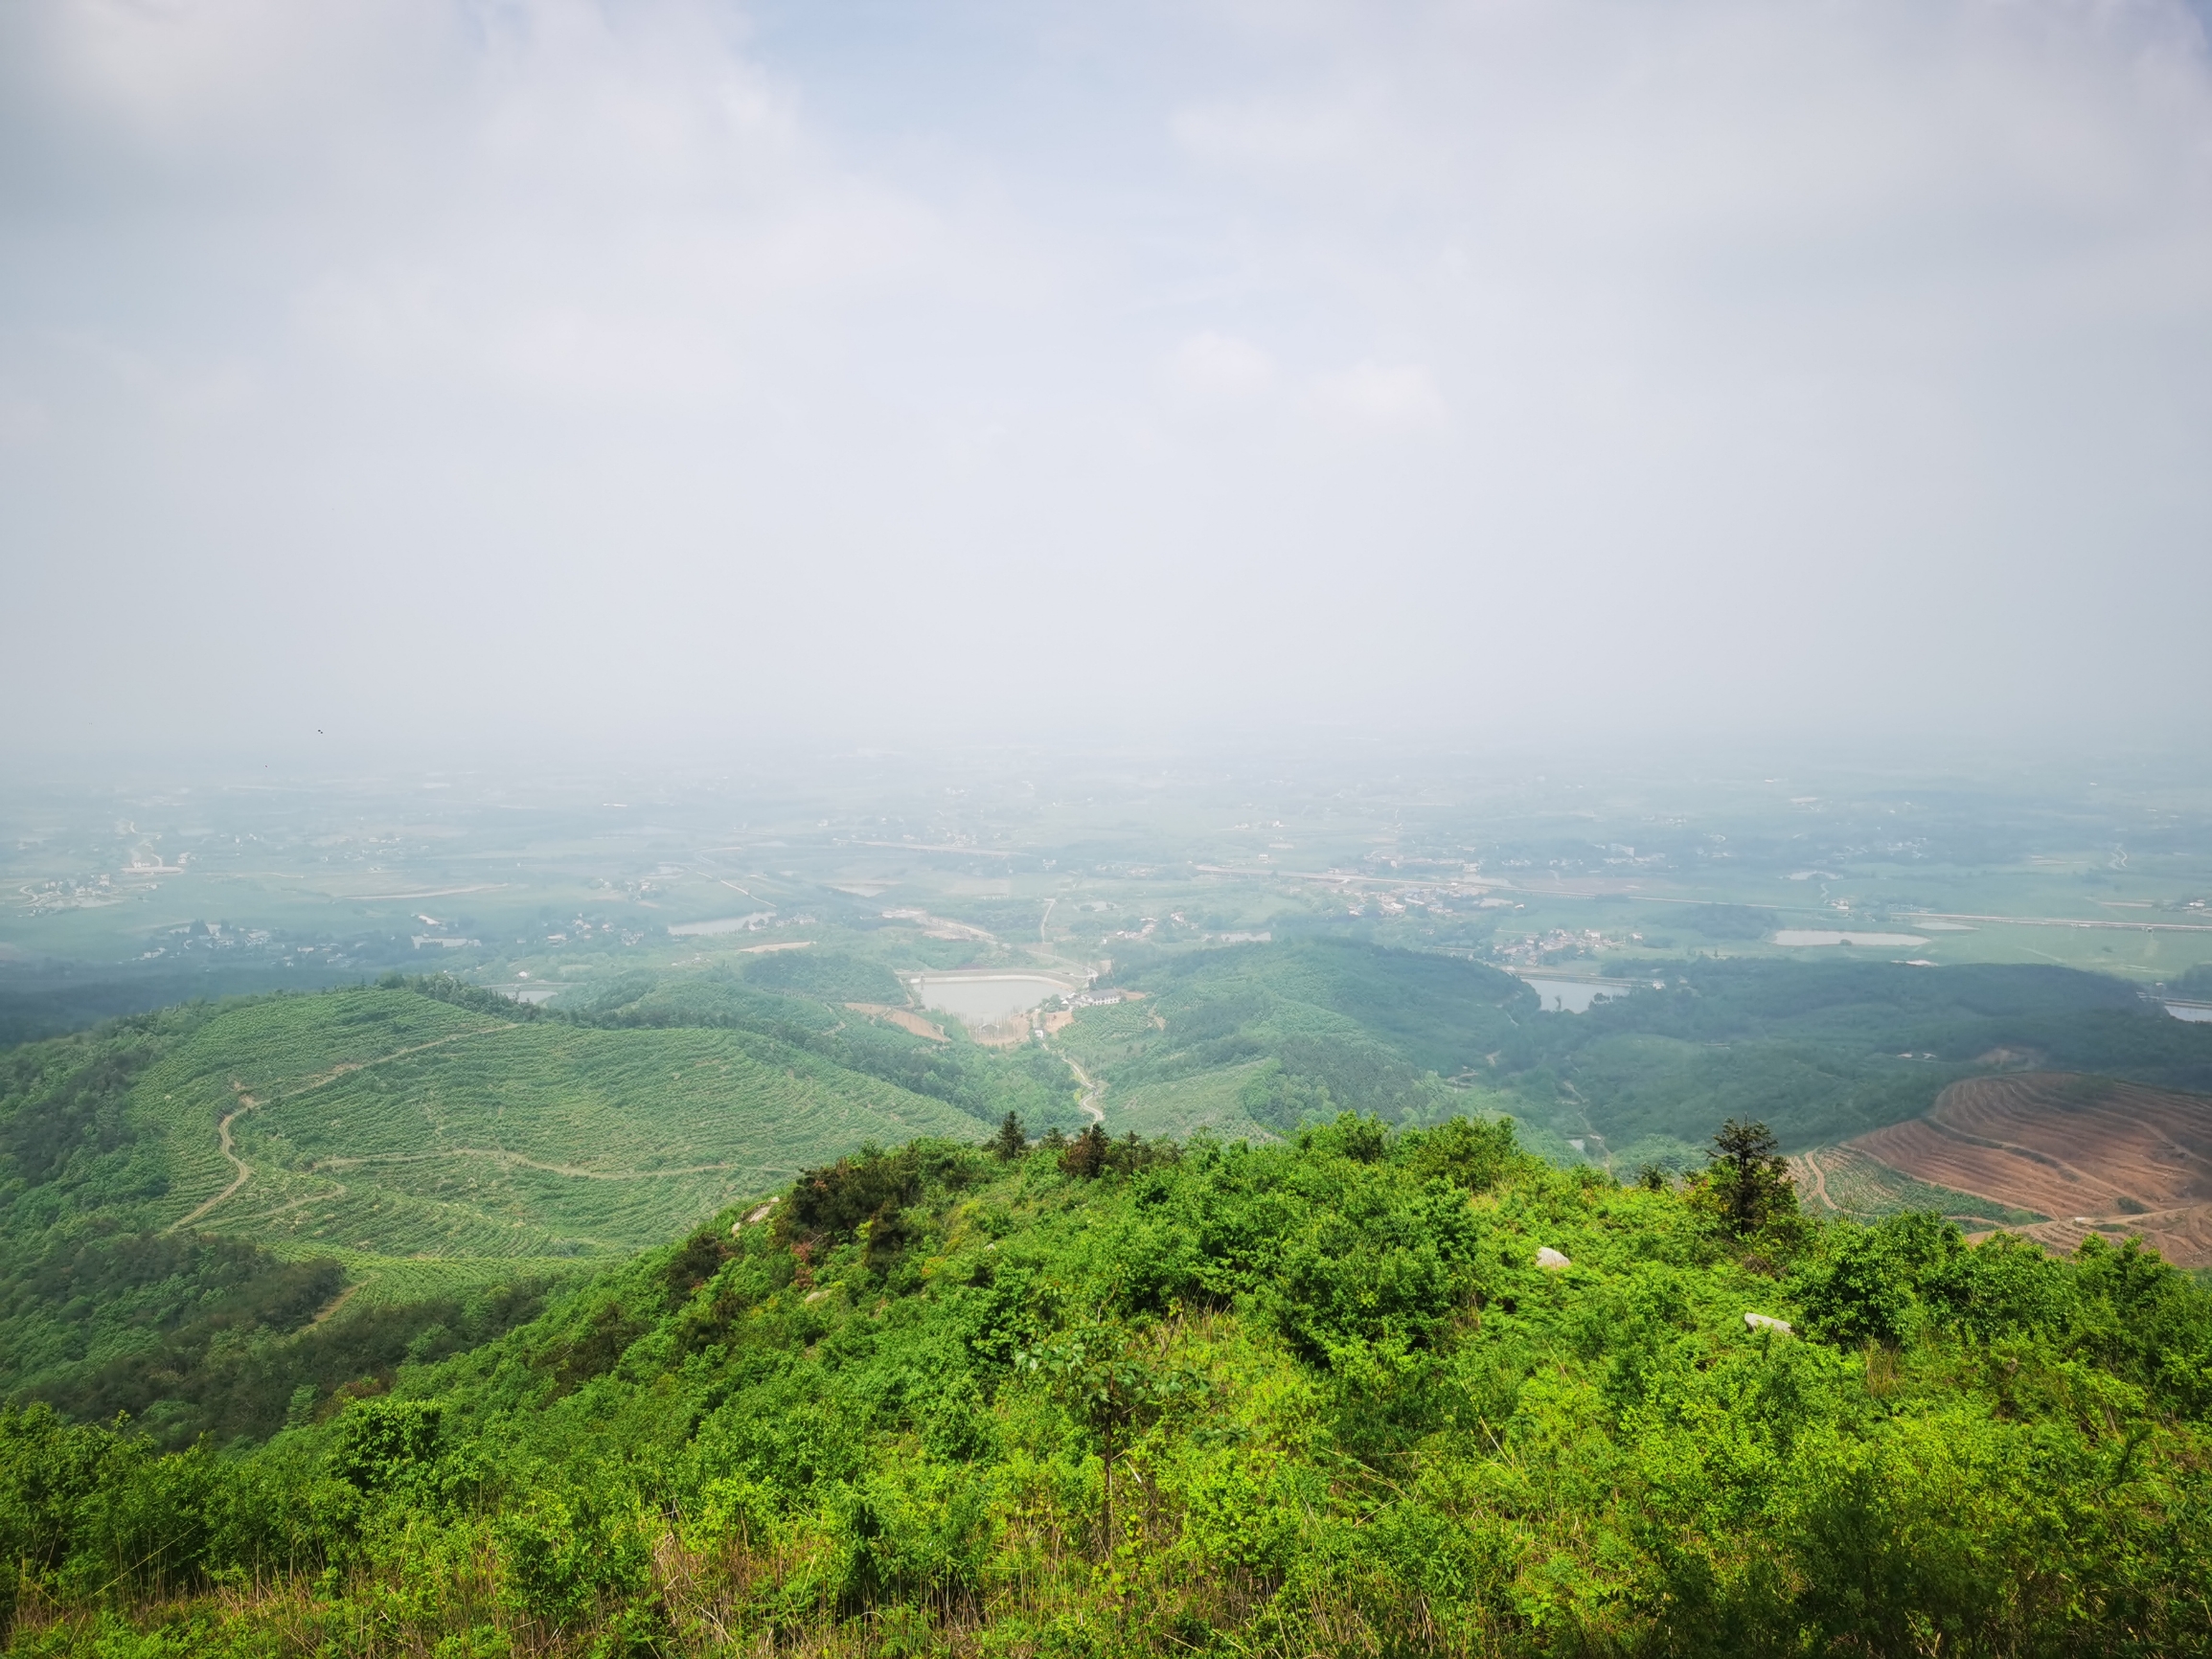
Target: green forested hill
[1261,1037]
[209,1176]
[1317,1397]
[491,1139]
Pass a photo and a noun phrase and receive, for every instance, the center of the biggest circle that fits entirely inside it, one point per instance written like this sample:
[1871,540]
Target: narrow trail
[344,1296]
[348,1067]
[1090,1090]
[246,1104]
[338,1191]
[222,1136]
[1820,1180]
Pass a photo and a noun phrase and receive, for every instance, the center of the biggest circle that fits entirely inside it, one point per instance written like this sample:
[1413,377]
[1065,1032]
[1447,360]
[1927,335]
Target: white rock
[1766,1322]
[1551,1260]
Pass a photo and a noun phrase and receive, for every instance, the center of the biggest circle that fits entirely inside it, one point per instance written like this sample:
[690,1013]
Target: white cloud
[1391,395]
[1221,367]
[621,322]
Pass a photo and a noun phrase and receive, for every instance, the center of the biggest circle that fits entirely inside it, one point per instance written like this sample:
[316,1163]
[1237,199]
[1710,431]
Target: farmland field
[1845,1181]
[2089,1153]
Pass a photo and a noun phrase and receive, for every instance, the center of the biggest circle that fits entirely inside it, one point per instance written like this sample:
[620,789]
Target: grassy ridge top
[1307,1398]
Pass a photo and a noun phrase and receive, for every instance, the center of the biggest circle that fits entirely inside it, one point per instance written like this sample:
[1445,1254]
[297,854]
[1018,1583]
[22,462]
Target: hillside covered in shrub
[1119,1397]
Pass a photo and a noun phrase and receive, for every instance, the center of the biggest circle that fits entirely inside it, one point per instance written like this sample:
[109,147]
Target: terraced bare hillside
[2094,1154]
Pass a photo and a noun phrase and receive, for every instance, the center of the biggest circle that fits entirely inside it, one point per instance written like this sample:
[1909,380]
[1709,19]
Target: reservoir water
[1570,995]
[721,924]
[984,998]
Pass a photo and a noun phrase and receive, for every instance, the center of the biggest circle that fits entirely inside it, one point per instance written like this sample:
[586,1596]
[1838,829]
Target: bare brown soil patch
[1003,1034]
[2096,1155]
[904,1018]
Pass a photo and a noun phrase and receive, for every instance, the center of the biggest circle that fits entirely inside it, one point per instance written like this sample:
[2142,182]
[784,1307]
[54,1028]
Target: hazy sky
[483,370]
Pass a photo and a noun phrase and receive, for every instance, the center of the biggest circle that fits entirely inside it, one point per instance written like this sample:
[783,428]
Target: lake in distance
[985,998]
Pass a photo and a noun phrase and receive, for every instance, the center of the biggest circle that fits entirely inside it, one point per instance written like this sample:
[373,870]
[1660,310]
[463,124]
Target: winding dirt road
[1820,1180]
[1090,1090]
[222,1136]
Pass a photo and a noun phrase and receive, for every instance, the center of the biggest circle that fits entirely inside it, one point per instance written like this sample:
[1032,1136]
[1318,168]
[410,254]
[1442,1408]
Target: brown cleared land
[905,1020]
[1012,1032]
[2096,1155]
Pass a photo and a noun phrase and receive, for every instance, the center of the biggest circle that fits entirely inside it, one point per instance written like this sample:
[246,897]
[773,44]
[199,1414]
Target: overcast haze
[453,372]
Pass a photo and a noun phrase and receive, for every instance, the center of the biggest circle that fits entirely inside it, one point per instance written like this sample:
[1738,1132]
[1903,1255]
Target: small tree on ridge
[1749,1176]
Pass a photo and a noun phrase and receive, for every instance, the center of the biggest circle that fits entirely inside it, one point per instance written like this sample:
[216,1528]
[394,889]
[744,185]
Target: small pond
[985,998]
[1871,940]
[2189,1011]
[721,924]
[1571,996]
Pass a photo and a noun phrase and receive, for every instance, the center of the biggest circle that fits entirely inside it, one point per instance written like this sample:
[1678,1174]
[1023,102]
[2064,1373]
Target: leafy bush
[379,1440]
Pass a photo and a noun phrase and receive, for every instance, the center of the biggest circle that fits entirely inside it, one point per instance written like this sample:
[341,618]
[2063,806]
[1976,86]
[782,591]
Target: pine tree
[1011,1139]
[1086,1154]
[1750,1177]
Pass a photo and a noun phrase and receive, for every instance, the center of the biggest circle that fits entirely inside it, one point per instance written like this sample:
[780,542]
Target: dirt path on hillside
[349,1066]
[1820,1180]
[904,1018]
[344,1296]
[222,1138]
[246,1104]
[1090,1090]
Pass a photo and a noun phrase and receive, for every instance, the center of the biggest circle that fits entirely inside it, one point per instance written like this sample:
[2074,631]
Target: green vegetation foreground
[1112,1397]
